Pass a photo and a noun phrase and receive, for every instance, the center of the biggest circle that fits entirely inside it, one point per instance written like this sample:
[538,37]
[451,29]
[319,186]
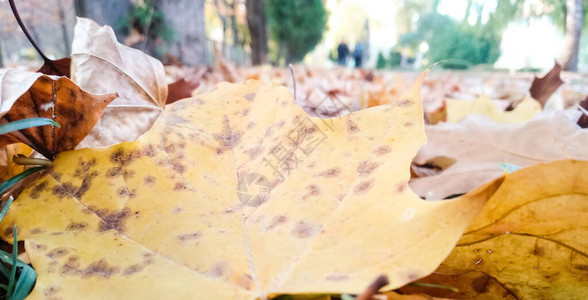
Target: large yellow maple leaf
[238,194]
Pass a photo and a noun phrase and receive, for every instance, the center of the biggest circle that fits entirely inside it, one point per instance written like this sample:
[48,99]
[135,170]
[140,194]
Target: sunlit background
[396,34]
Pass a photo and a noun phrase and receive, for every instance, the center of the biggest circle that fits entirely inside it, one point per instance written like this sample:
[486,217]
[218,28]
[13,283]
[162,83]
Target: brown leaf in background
[183,88]
[583,120]
[26,95]
[59,67]
[102,65]
[542,88]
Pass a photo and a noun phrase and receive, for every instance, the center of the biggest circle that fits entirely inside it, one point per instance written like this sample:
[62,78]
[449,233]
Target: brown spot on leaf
[100,268]
[365,168]
[9,231]
[304,230]
[149,180]
[351,126]
[58,252]
[583,268]
[401,187]
[218,269]
[127,174]
[148,150]
[331,172]
[479,284]
[363,186]
[405,103]
[113,172]
[132,269]
[123,192]
[59,191]
[71,266]
[189,236]
[36,230]
[227,139]
[115,220]
[383,150]
[277,220]
[312,190]
[245,281]
[36,192]
[84,167]
[539,251]
[250,97]
[407,124]
[51,291]
[179,186]
[76,226]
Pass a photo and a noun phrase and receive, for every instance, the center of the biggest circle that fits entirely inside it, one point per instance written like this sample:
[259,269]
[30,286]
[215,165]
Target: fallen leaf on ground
[29,95]
[459,109]
[542,88]
[183,87]
[583,107]
[478,146]
[59,67]
[528,242]
[102,65]
[239,194]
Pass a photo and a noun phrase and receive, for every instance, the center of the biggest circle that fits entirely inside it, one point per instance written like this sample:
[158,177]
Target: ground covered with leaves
[299,183]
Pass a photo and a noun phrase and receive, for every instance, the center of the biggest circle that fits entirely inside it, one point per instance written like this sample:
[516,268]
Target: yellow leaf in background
[459,109]
[529,241]
[238,194]
[7,167]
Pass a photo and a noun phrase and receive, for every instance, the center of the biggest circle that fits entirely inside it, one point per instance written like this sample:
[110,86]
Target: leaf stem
[30,161]
[30,38]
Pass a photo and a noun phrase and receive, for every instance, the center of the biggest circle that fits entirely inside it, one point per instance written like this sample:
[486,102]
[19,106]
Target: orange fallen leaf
[29,95]
[528,242]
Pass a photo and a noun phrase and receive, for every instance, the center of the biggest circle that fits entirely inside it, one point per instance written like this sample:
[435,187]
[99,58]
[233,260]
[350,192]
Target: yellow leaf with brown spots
[239,194]
[528,242]
[459,109]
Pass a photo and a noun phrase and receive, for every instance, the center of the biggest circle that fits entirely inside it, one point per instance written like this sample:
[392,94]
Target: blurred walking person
[358,54]
[342,53]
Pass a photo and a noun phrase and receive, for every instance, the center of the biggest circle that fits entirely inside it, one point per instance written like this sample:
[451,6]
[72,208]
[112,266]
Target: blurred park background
[512,35]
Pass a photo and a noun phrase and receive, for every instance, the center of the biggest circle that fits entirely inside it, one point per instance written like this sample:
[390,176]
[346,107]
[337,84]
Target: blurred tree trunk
[233,18]
[257,22]
[436,6]
[574,24]
[66,40]
[104,12]
[186,17]
[1,54]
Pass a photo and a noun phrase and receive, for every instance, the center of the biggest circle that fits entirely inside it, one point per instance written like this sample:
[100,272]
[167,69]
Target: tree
[297,26]
[257,23]
[104,12]
[573,31]
[186,17]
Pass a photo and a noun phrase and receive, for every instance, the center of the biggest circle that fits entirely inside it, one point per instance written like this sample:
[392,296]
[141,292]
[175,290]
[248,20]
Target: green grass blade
[3,268]
[12,279]
[25,283]
[5,208]
[26,123]
[4,186]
